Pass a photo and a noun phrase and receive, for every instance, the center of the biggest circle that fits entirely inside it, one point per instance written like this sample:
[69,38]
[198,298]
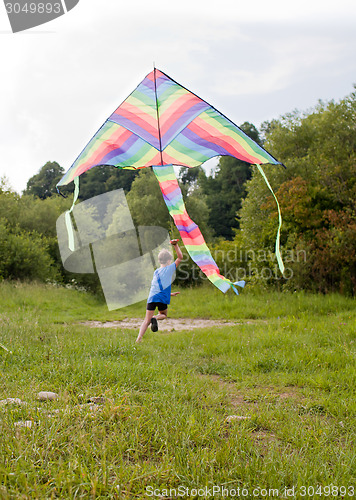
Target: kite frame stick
[157,112]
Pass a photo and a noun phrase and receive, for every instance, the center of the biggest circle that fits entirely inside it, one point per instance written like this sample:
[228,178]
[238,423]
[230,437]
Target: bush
[24,255]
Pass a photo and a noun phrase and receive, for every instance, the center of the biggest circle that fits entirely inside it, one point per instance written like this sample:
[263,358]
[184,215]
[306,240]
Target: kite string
[277,247]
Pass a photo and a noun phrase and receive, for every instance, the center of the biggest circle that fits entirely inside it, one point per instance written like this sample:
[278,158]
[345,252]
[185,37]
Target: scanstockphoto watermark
[310,491]
[24,14]
[209,491]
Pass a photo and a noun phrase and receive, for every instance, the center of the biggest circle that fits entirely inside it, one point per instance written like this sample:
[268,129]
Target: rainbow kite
[162,124]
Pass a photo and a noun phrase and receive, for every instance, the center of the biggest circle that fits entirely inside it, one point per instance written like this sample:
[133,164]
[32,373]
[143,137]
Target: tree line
[232,205]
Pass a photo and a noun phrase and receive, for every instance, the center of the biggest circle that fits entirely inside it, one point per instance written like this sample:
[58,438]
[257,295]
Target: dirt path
[170,324]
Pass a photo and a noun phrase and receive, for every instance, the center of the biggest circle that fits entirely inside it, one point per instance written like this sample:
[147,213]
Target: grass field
[261,409]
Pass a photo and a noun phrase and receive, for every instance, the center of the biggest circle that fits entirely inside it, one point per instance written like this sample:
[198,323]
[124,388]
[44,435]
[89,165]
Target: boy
[160,292]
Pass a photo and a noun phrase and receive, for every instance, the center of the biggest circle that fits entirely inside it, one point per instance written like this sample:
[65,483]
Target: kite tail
[277,246]
[190,233]
[67,218]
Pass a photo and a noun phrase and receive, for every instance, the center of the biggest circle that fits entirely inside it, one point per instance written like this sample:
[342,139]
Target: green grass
[287,367]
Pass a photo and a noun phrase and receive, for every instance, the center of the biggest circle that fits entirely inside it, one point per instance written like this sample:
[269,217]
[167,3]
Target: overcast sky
[253,61]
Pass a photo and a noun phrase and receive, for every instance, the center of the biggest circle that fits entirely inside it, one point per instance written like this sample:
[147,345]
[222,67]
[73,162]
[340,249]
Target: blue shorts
[151,306]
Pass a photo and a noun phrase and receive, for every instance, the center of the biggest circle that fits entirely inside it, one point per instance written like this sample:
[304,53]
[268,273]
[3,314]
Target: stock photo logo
[24,14]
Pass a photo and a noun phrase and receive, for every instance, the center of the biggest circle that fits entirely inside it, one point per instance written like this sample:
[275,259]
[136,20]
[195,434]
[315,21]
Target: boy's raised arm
[178,252]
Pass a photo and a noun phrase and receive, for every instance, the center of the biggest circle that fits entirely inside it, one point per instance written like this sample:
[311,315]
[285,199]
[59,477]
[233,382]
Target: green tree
[189,177]
[105,178]
[225,189]
[317,194]
[146,202]
[24,255]
[43,184]
[29,248]
[252,132]
[148,208]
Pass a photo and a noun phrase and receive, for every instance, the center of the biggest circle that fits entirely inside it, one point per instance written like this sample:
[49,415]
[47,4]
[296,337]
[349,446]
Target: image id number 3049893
[326,491]
[33,8]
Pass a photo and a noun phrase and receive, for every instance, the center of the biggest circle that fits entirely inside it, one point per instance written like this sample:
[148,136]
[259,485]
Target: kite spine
[157,111]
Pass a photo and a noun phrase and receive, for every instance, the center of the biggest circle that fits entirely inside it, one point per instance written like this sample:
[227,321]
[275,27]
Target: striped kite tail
[189,231]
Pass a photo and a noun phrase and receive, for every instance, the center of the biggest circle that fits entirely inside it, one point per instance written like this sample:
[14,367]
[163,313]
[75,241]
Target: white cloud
[285,62]
[253,61]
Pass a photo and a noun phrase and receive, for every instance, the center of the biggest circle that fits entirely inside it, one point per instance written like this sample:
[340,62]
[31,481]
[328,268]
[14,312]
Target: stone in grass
[47,396]
[13,401]
[234,418]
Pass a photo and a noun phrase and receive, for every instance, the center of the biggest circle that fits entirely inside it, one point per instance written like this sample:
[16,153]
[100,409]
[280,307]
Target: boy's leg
[145,324]
[162,314]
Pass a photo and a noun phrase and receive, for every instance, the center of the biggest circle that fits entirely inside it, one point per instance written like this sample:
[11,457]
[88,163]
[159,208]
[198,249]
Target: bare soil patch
[167,325]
